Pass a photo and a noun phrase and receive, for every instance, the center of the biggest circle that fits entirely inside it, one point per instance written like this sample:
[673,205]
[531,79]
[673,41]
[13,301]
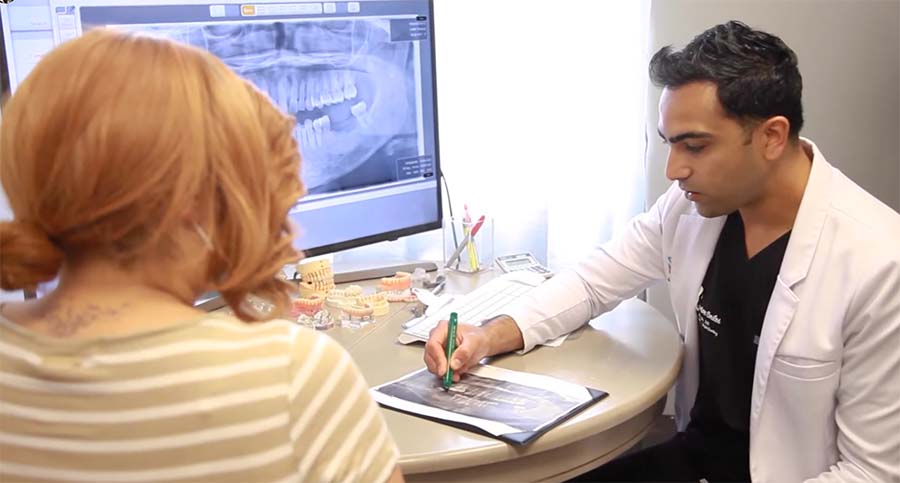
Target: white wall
[541,117]
[849,56]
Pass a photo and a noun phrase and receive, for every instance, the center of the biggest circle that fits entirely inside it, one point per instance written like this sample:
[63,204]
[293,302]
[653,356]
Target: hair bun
[27,256]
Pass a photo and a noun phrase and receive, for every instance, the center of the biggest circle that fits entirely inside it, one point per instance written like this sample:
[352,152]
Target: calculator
[522,261]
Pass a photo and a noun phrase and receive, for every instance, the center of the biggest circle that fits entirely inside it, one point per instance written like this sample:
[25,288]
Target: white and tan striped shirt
[207,400]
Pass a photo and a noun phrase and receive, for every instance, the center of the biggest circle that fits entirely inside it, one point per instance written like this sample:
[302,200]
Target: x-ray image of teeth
[349,86]
[525,408]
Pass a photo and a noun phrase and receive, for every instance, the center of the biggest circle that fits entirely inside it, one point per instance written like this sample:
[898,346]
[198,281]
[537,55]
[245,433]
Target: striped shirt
[214,399]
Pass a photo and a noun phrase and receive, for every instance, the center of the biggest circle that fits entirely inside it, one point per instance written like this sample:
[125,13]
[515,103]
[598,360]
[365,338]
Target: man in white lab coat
[784,277]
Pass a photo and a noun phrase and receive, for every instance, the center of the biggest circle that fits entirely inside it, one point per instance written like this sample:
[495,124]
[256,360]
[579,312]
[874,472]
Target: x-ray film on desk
[515,407]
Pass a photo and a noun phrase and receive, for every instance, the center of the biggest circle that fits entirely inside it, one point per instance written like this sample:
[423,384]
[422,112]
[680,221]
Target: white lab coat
[826,390]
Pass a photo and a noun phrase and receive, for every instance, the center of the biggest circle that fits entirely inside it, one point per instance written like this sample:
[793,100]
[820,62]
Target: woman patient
[143,173]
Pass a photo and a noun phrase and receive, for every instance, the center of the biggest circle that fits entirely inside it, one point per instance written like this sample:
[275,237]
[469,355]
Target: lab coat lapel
[692,249]
[798,257]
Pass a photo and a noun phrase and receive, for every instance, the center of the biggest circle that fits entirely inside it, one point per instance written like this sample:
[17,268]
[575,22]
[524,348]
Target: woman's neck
[96,298]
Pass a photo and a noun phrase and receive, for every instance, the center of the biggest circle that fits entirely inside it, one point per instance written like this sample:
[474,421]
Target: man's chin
[707,211]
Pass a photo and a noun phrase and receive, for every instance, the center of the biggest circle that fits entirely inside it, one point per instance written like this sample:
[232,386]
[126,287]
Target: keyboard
[475,307]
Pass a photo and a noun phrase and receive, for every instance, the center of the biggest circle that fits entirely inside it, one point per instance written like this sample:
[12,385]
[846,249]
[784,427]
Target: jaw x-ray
[351,89]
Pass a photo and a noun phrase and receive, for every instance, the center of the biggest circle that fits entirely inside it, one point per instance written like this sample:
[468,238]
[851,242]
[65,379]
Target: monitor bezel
[391,235]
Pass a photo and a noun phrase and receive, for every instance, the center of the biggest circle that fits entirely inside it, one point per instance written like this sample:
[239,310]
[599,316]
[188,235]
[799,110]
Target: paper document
[513,406]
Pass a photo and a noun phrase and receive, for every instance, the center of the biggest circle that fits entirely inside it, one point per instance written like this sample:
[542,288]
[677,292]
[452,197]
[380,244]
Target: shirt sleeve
[611,273]
[337,429]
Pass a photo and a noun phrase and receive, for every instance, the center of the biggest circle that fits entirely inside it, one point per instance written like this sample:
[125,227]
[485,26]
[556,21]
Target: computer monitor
[358,76]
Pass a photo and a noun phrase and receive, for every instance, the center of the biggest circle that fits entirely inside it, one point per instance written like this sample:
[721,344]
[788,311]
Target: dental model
[335,305]
[316,277]
[349,305]
[309,289]
[307,306]
[349,294]
[360,310]
[357,315]
[319,321]
[400,281]
[397,288]
[316,270]
[338,299]
[378,302]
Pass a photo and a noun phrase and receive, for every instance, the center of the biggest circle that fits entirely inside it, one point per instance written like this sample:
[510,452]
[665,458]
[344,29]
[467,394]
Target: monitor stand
[356,275]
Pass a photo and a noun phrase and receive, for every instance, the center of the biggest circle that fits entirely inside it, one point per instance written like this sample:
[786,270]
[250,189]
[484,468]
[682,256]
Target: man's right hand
[498,335]
[472,345]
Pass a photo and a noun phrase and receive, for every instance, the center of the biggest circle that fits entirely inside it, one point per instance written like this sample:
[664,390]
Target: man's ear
[775,135]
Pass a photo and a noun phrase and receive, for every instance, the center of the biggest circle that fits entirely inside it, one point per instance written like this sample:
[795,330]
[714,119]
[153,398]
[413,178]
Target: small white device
[522,261]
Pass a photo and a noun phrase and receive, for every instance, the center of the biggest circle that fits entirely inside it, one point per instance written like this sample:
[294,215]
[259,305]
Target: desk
[633,353]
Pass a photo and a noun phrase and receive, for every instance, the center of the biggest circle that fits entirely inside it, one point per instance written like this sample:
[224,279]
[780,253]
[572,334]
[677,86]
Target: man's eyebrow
[683,136]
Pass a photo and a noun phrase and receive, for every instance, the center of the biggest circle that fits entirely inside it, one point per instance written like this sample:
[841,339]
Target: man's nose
[676,169]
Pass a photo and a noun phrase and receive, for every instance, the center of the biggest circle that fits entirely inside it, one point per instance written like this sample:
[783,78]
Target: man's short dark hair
[755,73]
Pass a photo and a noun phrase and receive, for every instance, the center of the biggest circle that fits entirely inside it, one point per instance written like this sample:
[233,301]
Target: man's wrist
[503,335]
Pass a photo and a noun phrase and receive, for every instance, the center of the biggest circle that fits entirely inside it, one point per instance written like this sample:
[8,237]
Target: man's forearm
[504,335]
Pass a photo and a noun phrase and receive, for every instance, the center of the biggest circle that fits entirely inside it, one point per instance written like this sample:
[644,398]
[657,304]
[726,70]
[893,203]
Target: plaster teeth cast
[307,306]
[349,304]
[316,277]
[397,288]
[378,302]
[400,281]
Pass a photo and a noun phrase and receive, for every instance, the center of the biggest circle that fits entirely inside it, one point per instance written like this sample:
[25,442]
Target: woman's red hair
[114,136]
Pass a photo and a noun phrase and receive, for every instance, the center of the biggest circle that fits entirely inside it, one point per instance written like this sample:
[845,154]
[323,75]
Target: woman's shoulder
[303,341]
[226,323]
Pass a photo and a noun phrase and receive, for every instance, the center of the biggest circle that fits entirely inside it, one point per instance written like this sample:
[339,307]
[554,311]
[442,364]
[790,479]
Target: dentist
[784,277]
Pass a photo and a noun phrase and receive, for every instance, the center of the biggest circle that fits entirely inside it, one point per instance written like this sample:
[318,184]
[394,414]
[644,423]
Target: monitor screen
[358,76]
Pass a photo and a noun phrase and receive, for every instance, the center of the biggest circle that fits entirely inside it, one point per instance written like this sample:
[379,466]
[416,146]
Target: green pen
[451,346]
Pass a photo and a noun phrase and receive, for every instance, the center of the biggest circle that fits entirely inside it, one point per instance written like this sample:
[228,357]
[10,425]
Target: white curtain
[541,118]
